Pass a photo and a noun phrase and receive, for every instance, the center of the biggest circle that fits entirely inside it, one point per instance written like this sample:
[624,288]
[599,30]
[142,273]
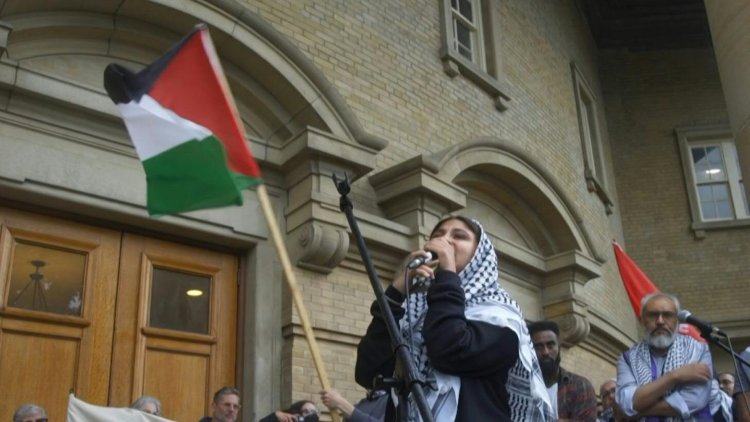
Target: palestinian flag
[638,286]
[185,127]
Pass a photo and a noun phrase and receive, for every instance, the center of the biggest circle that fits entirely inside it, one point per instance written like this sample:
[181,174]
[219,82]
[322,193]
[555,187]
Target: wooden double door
[110,316]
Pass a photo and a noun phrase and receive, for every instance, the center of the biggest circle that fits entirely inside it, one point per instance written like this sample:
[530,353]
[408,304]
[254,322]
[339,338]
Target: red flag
[637,285]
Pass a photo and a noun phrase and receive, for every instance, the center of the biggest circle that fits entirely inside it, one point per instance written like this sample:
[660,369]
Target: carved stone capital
[562,301]
[319,247]
[572,317]
[412,194]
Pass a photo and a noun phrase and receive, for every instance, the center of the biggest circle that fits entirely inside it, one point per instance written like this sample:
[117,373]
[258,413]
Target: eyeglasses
[231,406]
[666,316]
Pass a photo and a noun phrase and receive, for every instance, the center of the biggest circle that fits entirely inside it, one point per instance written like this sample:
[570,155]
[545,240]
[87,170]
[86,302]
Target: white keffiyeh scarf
[488,302]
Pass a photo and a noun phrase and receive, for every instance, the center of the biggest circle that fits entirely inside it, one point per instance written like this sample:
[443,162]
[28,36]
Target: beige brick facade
[359,86]
[649,95]
[383,60]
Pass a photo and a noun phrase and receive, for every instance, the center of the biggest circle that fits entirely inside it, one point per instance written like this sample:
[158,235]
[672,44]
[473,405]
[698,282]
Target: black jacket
[478,352]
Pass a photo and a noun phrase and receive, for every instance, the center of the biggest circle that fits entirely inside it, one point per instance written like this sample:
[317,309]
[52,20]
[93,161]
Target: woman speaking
[464,331]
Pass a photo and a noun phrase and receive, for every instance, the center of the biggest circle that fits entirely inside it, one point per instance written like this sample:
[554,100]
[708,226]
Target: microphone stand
[411,382]
[715,340]
[707,335]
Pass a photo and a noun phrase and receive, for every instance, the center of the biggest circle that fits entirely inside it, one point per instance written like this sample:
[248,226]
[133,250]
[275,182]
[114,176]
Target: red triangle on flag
[193,85]
[638,286]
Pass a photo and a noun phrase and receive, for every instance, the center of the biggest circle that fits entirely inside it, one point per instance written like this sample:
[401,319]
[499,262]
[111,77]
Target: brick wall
[382,57]
[648,95]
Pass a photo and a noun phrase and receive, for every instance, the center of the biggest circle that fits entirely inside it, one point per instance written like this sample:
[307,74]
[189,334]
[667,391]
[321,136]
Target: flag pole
[291,282]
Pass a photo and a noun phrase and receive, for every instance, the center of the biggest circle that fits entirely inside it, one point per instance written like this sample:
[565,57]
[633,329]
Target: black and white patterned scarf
[684,350]
[485,301]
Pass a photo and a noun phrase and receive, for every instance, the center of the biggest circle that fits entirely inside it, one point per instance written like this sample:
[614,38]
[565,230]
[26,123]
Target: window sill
[699,228]
[455,64]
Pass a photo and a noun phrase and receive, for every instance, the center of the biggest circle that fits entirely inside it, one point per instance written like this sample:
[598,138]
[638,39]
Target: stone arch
[279,90]
[547,254]
[300,128]
[533,197]
[71,154]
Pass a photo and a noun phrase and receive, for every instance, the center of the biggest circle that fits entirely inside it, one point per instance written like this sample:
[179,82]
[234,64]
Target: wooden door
[105,314]
[57,288]
[175,332]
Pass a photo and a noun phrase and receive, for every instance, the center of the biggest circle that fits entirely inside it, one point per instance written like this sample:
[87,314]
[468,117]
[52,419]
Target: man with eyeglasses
[667,375]
[607,395]
[30,413]
[225,406]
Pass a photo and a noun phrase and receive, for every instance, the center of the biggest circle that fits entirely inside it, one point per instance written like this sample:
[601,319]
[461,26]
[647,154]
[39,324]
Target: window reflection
[47,279]
[179,301]
[708,163]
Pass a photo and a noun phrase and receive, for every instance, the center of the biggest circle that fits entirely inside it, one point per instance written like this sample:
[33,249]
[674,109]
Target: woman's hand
[445,252]
[424,270]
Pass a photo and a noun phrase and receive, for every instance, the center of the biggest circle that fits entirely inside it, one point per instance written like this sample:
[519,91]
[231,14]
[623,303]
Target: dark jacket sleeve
[370,409]
[458,346]
[269,418]
[375,353]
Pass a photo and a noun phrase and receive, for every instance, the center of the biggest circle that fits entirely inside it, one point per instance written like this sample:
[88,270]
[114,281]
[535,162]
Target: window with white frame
[467,30]
[715,187]
[470,36]
[591,142]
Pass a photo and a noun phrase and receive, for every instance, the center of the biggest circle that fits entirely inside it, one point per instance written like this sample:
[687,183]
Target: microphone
[705,327]
[427,257]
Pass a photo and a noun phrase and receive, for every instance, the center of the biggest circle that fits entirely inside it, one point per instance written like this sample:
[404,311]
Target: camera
[309,418]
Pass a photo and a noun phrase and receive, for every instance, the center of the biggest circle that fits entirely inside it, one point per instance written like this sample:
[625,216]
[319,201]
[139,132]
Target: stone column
[729,22]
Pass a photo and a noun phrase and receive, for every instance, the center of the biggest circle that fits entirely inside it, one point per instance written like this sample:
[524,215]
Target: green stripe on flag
[191,176]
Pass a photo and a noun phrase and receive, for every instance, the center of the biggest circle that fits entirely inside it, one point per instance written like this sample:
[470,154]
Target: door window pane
[180,301]
[47,279]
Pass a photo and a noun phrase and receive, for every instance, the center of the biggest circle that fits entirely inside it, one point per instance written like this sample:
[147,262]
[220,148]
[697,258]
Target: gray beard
[660,341]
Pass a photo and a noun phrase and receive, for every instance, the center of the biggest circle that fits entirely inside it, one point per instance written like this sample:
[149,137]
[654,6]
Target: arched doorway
[546,254]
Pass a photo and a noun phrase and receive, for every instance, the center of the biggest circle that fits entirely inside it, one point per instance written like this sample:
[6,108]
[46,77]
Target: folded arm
[691,385]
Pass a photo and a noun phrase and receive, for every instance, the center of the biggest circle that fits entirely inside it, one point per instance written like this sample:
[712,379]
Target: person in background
[607,395]
[369,409]
[30,412]
[302,410]
[665,375]
[742,389]
[147,404]
[225,406]
[722,389]
[574,394]
[726,382]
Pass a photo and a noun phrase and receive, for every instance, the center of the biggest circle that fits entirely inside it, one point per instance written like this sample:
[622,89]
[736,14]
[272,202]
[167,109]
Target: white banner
[80,411]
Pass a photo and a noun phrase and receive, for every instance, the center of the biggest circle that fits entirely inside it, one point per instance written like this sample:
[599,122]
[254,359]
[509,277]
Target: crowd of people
[480,360]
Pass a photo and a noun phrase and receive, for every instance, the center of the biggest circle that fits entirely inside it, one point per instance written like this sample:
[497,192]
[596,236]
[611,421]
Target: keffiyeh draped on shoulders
[488,302]
[683,351]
